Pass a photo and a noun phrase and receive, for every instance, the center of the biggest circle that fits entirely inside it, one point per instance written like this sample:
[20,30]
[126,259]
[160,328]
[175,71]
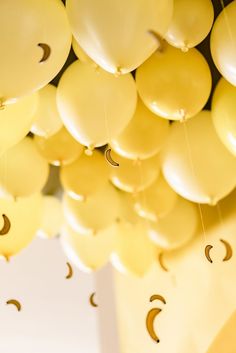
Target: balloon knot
[118,71]
[89,150]
[2,104]
[182,115]
[185,47]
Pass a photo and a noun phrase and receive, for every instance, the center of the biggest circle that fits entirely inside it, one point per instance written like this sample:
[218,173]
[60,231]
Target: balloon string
[220,214]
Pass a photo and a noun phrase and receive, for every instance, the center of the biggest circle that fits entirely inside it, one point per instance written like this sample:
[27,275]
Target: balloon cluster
[142,197]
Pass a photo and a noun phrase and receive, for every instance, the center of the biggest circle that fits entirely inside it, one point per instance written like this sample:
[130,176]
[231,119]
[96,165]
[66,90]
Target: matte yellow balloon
[127,212]
[116,34]
[190,24]
[143,137]
[59,149]
[23,171]
[80,53]
[223,48]
[24,215]
[134,176]
[224,113]
[94,105]
[177,228]
[89,252]
[35,43]
[195,162]
[47,120]
[52,217]
[85,175]
[173,84]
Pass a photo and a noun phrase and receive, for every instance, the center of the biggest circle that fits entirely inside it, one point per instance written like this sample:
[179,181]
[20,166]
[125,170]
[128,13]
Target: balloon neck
[212,201]
[2,104]
[182,115]
[185,47]
[7,258]
[118,71]
[89,150]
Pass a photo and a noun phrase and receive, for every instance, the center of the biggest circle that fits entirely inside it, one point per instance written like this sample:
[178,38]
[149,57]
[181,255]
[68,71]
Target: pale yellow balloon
[156,201]
[173,84]
[134,176]
[35,43]
[89,252]
[16,120]
[143,137]
[195,162]
[80,53]
[223,48]
[224,113]
[190,24]
[47,120]
[52,217]
[85,175]
[94,105]
[177,228]
[24,215]
[59,149]
[127,212]
[116,34]
[97,212]
[23,171]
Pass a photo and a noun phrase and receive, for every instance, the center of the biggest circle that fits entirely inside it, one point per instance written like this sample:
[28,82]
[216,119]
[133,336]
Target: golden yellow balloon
[59,149]
[116,34]
[94,105]
[195,162]
[173,84]
[23,171]
[143,137]
[190,24]
[80,53]
[34,46]
[52,217]
[47,120]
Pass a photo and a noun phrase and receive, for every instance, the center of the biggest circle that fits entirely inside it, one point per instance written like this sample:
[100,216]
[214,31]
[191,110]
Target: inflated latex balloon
[24,215]
[23,171]
[134,176]
[47,120]
[143,137]
[116,34]
[177,227]
[97,212]
[195,162]
[16,120]
[52,217]
[223,48]
[224,113]
[94,105]
[59,149]
[34,46]
[127,212]
[173,84]
[85,175]
[88,253]
[157,201]
[80,53]
[190,24]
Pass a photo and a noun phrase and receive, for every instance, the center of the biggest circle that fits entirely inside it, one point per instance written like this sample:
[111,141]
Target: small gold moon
[109,158]
[46,51]
[157,297]
[70,271]
[207,253]
[160,258]
[6,226]
[91,300]
[150,323]
[229,251]
[14,302]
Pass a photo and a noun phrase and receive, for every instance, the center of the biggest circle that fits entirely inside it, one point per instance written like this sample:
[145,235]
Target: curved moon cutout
[229,251]
[91,300]
[70,271]
[14,302]
[207,253]
[160,258]
[157,297]
[46,51]
[150,323]
[109,158]
[158,38]
[6,226]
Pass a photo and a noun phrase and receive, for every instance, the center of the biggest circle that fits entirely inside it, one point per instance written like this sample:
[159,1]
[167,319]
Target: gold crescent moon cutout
[91,300]
[14,302]
[109,158]
[160,258]
[46,51]
[150,323]
[229,251]
[6,226]
[158,38]
[207,253]
[70,271]
[157,297]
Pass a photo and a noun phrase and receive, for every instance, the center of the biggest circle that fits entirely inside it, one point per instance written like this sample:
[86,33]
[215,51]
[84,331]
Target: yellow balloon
[80,53]
[89,97]
[52,217]
[16,120]
[97,212]
[89,252]
[60,148]
[24,215]
[190,24]
[116,34]
[157,200]
[85,175]
[223,49]
[173,84]
[34,46]
[195,162]
[134,176]
[177,228]
[143,137]
[224,113]
[47,120]
[127,212]
[23,171]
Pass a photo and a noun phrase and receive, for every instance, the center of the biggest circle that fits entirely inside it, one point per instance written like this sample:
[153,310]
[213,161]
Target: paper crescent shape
[150,323]
[14,302]
[70,271]
[157,297]
[46,51]
[229,251]
[160,258]
[6,226]
[158,38]
[207,253]
[109,158]
[91,300]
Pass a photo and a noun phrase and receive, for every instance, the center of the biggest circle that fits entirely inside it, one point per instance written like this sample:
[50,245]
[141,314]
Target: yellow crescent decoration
[46,51]
[157,297]
[160,258]
[229,251]
[150,323]
[158,38]
[70,271]
[14,302]
[109,158]
[91,300]
[207,253]
[6,226]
